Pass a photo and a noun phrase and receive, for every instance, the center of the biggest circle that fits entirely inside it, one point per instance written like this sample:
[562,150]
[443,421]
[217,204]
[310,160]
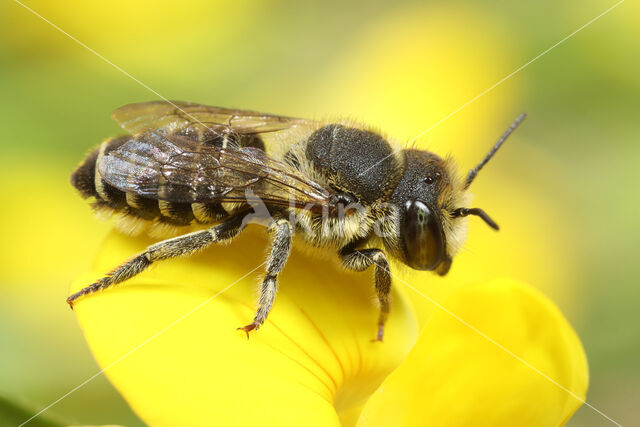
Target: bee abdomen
[88,181]
[83,178]
[142,207]
[176,213]
[208,212]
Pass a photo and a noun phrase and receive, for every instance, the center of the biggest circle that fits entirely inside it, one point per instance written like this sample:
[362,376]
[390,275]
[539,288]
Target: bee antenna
[477,212]
[473,172]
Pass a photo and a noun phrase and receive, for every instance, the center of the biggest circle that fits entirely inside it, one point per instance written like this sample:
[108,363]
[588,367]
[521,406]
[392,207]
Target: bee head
[421,198]
[431,199]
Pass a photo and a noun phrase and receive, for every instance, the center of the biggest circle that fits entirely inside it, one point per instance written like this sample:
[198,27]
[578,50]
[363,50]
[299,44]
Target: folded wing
[162,165]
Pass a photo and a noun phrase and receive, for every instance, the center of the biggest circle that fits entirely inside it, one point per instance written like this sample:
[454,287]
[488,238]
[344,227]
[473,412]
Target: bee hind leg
[182,245]
[280,248]
[360,260]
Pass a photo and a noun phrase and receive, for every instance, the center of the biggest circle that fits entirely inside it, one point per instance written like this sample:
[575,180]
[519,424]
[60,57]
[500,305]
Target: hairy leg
[171,248]
[280,249]
[360,260]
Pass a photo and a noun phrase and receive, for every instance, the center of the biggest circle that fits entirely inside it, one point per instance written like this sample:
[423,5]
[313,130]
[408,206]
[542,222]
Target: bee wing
[164,166]
[203,122]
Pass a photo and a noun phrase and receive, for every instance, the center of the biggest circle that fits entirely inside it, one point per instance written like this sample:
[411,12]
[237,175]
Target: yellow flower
[169,344]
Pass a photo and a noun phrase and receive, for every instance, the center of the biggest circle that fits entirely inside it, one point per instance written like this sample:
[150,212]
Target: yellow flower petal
[456,377]
[311,362]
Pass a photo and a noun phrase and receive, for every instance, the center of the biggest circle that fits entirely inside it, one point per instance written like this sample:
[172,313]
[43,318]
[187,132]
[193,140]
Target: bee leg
[360,260]
[170,248]
[278,255]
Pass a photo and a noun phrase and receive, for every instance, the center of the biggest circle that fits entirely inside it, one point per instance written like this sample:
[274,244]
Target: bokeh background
[563,189]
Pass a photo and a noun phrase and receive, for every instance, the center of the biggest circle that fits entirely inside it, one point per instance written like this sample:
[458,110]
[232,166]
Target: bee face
[423,196]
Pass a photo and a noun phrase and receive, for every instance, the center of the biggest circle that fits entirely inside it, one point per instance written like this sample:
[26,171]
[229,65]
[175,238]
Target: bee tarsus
[278,255]
[248,328]
[360,260]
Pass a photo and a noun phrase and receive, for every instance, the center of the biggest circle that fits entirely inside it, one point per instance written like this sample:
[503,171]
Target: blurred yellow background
[563,189]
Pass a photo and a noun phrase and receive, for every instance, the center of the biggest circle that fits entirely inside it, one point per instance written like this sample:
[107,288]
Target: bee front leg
[360,260]
[171,248]
[278,255]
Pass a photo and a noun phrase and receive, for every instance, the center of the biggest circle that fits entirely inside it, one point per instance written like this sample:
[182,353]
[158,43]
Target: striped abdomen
[88,181]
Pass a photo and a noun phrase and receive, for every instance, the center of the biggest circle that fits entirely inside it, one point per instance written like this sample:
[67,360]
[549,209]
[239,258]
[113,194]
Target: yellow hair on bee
[130,224]
[163,230]
[454,196]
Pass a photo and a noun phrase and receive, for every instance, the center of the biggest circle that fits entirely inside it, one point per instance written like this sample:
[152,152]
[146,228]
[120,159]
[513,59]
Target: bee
[339,185]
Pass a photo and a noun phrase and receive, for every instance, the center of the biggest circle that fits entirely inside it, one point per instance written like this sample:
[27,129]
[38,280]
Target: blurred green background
[567,180]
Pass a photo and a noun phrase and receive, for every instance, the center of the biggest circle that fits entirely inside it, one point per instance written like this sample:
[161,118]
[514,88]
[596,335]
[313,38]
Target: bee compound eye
[423,236]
